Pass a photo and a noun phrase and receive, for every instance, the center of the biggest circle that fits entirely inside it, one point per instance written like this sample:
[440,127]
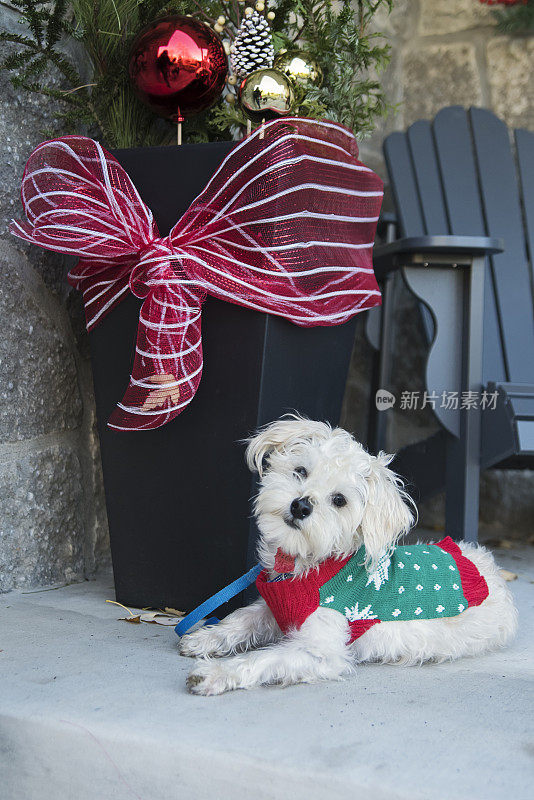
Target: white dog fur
[377,513]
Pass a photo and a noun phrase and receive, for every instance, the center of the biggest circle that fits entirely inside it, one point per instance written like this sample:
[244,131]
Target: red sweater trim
[293,600]
[474,584]
[360,626]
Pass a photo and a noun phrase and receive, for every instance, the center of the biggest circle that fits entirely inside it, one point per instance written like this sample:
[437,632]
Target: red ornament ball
[177,66]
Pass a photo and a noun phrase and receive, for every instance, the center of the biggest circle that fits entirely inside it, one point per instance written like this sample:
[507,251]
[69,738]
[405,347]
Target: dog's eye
[302,471]
[339,500]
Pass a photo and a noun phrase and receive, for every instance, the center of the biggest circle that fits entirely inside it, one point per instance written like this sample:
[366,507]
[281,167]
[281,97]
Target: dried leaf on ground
[174,612]
[159,618]
[168,617]
[507,575]
[135,618]
[504,544]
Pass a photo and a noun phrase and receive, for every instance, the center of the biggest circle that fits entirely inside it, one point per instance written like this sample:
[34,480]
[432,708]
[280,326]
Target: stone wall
[445,52]
[53,526]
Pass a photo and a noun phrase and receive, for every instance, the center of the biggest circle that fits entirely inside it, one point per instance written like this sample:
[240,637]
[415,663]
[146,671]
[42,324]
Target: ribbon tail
[167,365]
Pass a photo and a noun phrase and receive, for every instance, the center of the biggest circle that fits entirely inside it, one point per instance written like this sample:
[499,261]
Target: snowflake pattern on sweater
[415,582]
[354,613]
[380,573]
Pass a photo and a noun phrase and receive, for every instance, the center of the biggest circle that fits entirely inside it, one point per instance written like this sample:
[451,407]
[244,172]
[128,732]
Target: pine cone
[253,46]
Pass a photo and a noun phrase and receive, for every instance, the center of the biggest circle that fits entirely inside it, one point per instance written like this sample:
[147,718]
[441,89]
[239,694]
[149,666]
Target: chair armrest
[423,250]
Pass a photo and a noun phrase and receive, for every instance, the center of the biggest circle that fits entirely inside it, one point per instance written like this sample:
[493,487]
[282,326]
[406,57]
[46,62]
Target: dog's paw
[210,678]
[200,643]
[191,645]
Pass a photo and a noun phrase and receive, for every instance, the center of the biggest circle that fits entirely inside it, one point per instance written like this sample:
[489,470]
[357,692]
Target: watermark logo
[451,401]
[384,400]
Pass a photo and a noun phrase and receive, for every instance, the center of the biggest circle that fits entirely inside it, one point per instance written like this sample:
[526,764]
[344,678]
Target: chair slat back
[458,172]
[404,185]
[524,141]
[511,274]
[458,169]
[427,177]
[457,176]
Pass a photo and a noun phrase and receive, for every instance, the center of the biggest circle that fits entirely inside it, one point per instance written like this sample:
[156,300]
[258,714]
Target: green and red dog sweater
[422,581]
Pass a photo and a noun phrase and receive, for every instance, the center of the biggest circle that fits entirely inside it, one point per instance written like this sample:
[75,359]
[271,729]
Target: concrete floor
[93,708]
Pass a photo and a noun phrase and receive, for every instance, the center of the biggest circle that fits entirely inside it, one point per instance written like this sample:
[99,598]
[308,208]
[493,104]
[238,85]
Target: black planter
[178,497]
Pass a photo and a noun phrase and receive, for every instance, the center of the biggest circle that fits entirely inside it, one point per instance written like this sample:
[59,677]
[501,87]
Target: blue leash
[217,600]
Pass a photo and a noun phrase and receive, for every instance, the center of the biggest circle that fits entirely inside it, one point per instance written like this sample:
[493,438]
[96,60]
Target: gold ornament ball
[266,94]
[260,5]
[299,67]
[271,15]
[249,11]
[221,20]
[232,80]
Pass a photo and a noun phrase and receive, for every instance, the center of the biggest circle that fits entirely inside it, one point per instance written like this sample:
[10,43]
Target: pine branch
[16,38]
[16,60]
[64,66]
[34,19]
[54,29]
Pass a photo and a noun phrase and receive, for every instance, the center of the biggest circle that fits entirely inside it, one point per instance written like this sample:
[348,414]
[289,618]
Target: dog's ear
[277,435]
[389,512]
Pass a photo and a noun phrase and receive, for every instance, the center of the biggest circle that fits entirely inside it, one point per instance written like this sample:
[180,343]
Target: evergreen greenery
[99,100]
[516,18]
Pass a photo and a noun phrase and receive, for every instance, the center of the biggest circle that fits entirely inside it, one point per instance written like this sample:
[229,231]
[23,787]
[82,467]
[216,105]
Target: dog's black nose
[300,508]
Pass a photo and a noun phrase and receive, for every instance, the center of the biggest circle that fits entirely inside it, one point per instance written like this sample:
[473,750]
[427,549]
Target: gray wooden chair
[465,218]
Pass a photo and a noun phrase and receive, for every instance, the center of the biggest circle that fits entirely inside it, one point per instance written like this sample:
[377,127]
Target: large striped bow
[286,225]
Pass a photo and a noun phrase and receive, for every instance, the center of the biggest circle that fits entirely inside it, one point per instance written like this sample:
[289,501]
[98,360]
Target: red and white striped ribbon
[286,226]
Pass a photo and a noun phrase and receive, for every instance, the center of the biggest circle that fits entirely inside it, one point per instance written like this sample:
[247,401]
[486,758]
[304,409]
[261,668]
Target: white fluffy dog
[322,499]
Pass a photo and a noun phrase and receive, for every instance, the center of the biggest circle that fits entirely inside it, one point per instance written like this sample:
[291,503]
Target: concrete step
[93,708]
